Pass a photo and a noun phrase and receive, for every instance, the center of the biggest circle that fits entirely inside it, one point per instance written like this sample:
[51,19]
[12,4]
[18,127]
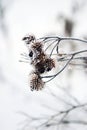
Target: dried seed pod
[49,64]
[39,59]
[37,46]
[40,68]
[29,38]
[38,63]
[36,82]
[44,65]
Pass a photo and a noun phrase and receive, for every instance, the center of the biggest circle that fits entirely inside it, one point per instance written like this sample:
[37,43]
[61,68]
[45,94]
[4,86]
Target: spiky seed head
[36,82]
[39,58]
[37,46]
[49,64]
[29,39]
[40,68]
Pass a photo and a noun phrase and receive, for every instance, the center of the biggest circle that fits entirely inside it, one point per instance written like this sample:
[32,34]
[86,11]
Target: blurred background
[18,105]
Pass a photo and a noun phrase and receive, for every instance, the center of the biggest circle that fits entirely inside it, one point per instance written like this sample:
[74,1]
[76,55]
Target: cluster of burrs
[40,60]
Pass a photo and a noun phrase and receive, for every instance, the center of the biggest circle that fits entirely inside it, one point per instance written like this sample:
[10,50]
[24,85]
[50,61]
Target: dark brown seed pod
[37,46]
[29,38]
[49,64]
[44,65]
[36,82]
[39,59]
[40,68]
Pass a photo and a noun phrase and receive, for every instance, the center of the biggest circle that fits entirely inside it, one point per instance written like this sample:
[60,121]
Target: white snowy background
[40,18]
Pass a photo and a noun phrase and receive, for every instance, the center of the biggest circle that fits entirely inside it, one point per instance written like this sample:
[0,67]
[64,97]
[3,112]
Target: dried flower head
[29,38]
[45,65]
[49,64]
[37,46]
[38,58]
[36,82]
[39,67]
